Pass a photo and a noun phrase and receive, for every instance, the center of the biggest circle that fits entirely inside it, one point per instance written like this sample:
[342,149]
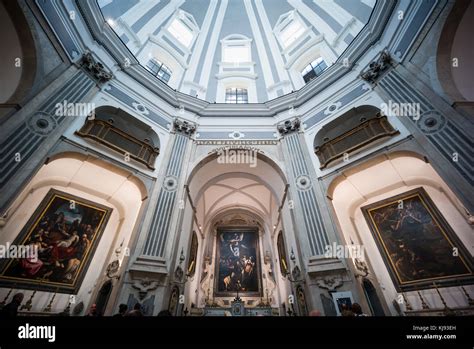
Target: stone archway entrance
[237,218]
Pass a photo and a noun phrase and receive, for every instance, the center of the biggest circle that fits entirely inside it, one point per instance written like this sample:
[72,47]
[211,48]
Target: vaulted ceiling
[209,46]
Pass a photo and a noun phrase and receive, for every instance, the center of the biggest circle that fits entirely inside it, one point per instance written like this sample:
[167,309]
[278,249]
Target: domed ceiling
[236,51]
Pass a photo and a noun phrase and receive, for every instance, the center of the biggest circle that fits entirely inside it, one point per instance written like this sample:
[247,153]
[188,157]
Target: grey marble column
[315,226]
[155,245]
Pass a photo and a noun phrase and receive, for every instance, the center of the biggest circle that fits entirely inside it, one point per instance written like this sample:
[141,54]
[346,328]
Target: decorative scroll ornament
[288,126]
[179,273]
[361,268]
[95,69]
[183,126]
[377,67]
[329,283]
[144,286]
[112,269]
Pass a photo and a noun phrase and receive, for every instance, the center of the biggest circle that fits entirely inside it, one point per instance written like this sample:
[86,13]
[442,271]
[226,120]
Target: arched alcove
[120,131]
[352,132]
[236,205]
[404,173]
[455,54]
[18,62]
[113,190]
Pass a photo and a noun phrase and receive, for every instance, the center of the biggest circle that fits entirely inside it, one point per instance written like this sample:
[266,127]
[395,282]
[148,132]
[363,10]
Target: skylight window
[291,32]
[237,54]
[181,32]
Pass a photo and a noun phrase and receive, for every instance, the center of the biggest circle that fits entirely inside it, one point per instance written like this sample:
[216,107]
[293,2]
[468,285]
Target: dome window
[181,31]
[290,29]
[236,96]
[158,69]
[314,69]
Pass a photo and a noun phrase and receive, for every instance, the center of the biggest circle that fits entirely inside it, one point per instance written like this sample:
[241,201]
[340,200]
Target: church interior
[237,157]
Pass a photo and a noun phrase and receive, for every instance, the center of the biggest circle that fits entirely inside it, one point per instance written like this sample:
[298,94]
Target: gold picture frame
[417,244]
[66,230]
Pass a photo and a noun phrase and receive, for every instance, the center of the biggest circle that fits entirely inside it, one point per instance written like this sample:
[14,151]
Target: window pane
[236,95]
[291,33]
[153,66]
[314,69]
[236,54]
[160,70]
[181,32]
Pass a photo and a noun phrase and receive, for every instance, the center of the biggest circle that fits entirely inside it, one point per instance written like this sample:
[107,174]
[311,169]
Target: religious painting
[282,254]
[343,302]
[173,303]
[301,297]
[238,263]
[193,250]
[417,244]
[64,231]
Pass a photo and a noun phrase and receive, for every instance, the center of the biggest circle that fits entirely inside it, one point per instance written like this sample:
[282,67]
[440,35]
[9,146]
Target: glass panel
[181,32]
[236,95]
[236,54]
[314,69]
[159,69]
[291,33]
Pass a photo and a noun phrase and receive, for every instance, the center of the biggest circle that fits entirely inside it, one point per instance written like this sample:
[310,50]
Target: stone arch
[455,43]
[18,44]
[403,172]
[118,130]
[351,133]
[113,187]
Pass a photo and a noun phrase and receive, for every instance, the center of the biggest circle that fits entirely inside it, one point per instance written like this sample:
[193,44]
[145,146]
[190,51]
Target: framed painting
[342,301]
[282,254]
[237,263]
[65,231]
[418,246]
[193,252]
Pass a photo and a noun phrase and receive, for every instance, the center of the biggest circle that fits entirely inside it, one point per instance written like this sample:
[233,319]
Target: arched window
[314,69]
[158,69]
[236,49]
[236,95]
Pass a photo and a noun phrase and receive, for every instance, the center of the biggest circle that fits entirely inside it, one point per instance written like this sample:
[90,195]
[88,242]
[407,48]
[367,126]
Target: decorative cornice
[289,126]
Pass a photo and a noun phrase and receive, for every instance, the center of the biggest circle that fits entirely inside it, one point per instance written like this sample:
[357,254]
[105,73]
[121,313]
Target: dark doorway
[372,298]
[103,297]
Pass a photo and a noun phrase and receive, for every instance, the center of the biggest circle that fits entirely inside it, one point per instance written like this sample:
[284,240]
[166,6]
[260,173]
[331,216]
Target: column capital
[94,68]
[376,67]
[185,127]
[289,126]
